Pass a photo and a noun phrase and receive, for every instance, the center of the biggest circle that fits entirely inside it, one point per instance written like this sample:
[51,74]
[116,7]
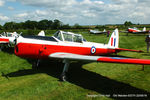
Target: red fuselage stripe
[5,40]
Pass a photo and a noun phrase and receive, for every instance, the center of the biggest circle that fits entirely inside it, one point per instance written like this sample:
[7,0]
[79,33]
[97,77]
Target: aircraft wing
[2,40]
[71,56]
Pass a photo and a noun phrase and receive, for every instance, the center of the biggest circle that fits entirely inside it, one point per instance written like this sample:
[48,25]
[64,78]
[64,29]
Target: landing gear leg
[1,47]
[36,64]
[63,76]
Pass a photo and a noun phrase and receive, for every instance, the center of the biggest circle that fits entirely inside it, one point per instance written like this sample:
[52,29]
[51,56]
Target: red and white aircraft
[8,38]
[68,47]
[135,30]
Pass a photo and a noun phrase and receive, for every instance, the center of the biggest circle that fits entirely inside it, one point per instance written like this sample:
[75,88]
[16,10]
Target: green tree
[43,24]
[9,25]
[57,24]
[50,23]
[1,27]
[30,24]
[77,26]
[128,23]
[66,26]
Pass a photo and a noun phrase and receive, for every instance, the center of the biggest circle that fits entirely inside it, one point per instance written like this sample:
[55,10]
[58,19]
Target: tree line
[41,25]
[57,24]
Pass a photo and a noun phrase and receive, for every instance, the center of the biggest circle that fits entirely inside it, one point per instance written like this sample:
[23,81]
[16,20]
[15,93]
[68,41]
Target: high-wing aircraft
[135,30]
[98,32]
[8,38]
[67,46]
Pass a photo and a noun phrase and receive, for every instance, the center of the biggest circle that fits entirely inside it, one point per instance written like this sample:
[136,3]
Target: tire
[63,77]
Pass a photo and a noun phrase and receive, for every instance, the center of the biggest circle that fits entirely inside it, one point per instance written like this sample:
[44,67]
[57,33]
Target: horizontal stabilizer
[122,49]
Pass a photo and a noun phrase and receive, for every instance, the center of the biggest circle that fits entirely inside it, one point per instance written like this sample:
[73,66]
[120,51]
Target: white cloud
[2,2]
[125,1]
[3,18]
[22,15]
[11,0]
[86,11]
[40,12]
[47,3]
[10,8]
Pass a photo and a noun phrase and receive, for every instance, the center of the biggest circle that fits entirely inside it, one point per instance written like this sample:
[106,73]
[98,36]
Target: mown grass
[18,81]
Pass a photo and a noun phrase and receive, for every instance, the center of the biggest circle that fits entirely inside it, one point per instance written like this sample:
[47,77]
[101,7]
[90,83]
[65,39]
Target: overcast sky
[83,12]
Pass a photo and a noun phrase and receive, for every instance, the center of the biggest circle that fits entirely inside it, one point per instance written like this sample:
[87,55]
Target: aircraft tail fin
[104,30]
[42,33]
[144,29]
[114,39]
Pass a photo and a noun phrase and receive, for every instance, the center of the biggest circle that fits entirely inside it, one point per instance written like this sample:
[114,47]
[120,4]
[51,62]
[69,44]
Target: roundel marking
[93,50]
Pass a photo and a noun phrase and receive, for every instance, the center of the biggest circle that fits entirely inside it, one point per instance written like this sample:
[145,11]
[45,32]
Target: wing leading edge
[71,56]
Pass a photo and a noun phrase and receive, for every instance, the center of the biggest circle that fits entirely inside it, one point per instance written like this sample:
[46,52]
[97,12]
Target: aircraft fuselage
[41,48]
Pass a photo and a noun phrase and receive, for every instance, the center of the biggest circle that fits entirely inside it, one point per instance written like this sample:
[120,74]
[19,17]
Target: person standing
[147,40]
[108,32]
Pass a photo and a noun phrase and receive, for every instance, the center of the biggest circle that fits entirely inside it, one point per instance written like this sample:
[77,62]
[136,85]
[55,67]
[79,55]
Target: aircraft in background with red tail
[67,46]
[136,31]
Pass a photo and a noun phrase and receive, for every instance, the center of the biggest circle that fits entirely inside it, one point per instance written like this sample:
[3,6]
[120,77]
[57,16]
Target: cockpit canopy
[68,36]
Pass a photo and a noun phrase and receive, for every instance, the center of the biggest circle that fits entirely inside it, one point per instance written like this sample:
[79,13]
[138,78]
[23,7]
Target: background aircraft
[41,33]
[136,31]
[8,39]
[98,32]
[67,46]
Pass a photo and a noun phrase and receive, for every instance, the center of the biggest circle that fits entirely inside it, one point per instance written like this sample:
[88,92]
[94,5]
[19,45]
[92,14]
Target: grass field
[18,81]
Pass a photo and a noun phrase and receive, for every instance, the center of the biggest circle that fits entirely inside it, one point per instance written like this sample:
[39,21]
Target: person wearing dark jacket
[147,40]
[108,32]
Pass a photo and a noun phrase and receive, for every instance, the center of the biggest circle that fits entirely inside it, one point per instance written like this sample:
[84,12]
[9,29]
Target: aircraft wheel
[63,77]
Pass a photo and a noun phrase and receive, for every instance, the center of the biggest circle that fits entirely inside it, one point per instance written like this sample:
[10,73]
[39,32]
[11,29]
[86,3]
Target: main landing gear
[1,47]
[63,76]
[36,64]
